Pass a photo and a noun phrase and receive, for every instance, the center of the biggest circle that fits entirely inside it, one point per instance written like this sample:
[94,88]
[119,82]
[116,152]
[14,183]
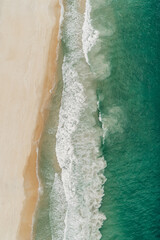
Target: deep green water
[130,106]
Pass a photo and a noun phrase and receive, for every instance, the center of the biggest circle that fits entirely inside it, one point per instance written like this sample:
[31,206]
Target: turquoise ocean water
[106,110]
[130,100]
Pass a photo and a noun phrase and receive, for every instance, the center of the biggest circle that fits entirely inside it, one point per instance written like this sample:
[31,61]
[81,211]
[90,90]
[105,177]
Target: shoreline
[31,182]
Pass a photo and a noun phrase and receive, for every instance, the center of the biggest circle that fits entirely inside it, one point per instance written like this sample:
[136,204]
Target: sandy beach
[29,39]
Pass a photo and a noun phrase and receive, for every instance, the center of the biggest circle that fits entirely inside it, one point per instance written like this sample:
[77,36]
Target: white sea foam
[89,35]
[78,155]
[78,141]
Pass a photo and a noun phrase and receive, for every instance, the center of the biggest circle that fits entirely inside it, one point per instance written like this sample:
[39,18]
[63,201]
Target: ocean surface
[99,156]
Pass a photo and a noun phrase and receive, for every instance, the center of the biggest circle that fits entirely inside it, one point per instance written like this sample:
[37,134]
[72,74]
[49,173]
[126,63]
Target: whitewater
[78,190]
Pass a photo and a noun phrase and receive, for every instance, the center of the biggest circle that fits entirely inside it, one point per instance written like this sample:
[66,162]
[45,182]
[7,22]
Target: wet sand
[28,35]
[82,5]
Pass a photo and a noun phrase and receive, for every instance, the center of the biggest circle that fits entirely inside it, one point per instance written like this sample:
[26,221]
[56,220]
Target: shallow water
[47,164]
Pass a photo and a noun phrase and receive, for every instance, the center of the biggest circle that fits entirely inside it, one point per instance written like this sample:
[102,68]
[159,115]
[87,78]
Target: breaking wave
[89,35]
[78,136]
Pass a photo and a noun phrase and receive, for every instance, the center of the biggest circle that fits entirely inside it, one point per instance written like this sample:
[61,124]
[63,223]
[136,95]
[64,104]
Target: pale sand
[28,32]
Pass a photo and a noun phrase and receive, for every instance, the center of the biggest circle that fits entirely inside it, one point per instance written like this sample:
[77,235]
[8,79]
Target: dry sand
[28,43]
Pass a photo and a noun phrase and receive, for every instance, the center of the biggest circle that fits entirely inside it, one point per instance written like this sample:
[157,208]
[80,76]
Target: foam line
[89,35]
